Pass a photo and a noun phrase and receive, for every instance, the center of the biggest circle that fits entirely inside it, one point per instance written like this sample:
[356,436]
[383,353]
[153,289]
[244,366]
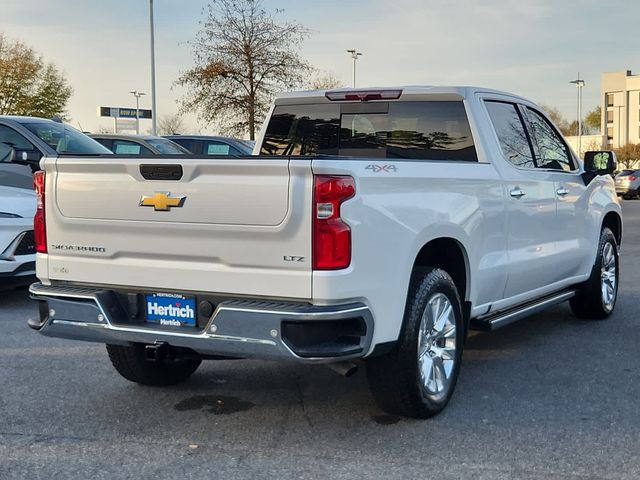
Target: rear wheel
[130,361]
[596,298]
[417,378]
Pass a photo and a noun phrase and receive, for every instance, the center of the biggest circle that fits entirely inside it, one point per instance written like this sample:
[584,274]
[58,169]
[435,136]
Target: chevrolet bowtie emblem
[162,201]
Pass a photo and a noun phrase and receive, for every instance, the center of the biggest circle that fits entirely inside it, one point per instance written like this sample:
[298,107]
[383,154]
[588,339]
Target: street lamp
[153,71]
[137,94]
[579,84]
[354,55]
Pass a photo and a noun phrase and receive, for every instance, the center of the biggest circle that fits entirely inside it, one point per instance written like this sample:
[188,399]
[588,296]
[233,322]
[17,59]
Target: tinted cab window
[413,130]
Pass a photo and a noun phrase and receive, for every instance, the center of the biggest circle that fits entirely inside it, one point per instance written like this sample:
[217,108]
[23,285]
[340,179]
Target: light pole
[579,84]
[137,94]
[153,71]
[354,55]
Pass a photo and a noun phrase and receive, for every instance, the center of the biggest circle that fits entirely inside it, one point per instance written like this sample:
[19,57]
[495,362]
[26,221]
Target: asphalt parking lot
[548,397]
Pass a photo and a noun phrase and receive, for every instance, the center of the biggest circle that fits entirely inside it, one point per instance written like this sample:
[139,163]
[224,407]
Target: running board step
[488,323]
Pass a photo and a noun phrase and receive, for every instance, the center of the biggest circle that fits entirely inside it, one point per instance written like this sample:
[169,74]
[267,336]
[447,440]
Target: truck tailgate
[225,225]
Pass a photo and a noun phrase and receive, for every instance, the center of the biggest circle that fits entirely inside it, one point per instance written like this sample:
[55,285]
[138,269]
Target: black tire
[131,363]
[590,301]
[395,377]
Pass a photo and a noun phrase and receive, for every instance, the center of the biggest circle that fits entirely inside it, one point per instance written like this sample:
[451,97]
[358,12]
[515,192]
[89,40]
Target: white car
[376,225]
[17,249]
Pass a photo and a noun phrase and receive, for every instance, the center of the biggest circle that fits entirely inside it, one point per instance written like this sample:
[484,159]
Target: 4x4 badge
[162,201]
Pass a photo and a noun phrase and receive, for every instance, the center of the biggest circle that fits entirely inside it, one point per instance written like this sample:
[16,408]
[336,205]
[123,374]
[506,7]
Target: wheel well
[613,222]
[448,254]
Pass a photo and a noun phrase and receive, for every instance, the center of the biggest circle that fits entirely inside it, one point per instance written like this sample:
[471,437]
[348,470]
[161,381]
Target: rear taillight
[632,178]
[331,235]
[39,224]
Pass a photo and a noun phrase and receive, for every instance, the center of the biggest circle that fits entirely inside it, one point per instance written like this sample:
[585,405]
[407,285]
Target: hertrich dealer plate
[171,309]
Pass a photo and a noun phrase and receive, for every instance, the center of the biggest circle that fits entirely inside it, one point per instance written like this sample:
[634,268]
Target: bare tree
[325,81]
[628,155]
[28,85]
[243,56]
[565,127]
[170,125]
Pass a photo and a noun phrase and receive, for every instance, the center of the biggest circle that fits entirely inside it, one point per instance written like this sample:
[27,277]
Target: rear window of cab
[431,130]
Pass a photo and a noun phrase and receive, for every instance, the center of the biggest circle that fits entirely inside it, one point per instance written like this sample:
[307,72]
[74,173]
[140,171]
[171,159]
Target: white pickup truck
[376,225]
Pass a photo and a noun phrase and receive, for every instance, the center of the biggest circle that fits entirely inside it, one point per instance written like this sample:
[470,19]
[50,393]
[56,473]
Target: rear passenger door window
[551,150]
[512,135]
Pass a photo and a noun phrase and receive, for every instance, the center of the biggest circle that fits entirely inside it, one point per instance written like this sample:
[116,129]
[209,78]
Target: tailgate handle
[161,172]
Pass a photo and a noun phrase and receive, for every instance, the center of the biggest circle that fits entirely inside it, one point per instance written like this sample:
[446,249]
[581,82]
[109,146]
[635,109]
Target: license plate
[171,309]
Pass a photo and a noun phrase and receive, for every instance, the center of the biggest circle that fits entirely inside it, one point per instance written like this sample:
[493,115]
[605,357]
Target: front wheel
[596,298]
[417,378]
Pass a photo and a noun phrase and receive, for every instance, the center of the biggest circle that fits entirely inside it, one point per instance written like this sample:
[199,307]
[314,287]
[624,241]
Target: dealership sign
[121,112]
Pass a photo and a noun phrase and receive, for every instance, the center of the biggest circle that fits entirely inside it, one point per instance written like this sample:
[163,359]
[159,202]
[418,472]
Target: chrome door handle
[562,191]
[517,193]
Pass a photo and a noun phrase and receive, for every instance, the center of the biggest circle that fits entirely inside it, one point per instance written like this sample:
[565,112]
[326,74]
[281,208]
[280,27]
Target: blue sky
[529,47]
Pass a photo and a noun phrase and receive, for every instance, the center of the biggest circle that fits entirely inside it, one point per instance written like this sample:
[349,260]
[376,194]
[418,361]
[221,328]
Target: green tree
[243,56]
[28,85]
[592,120]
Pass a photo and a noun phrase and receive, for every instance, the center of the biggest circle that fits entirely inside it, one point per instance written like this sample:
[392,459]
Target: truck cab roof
[413,91]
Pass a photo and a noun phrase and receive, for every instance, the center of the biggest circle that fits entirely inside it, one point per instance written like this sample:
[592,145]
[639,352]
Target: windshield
[167,146]
[65,139]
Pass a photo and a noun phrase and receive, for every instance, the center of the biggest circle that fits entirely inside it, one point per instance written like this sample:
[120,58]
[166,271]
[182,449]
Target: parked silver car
[628,184]
[17,247]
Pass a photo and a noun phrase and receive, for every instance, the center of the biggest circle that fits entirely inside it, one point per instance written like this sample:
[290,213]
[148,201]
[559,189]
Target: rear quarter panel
[395,212]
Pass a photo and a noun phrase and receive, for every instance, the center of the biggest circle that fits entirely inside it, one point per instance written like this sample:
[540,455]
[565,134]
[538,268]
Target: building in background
[621,108]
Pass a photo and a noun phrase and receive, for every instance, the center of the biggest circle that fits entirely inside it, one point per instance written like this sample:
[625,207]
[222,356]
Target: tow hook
[158,352]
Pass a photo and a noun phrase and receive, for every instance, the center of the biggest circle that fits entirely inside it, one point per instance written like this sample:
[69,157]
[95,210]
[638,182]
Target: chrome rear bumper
[237,328]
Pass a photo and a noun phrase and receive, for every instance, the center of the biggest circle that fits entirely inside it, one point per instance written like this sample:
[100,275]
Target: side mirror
[600,162]
[27,156]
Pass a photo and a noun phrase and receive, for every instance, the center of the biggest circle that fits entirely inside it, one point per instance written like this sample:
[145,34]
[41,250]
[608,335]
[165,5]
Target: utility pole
[153,72]
[579,84]
[137,95]
[354,55]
